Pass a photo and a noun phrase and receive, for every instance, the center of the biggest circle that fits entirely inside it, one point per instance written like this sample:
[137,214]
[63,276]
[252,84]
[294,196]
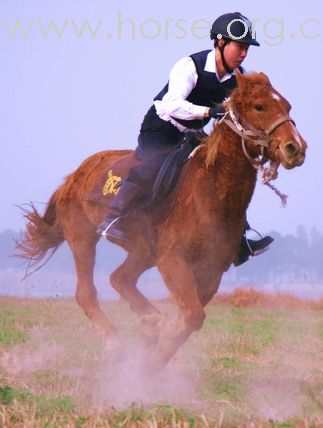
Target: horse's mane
[213,142]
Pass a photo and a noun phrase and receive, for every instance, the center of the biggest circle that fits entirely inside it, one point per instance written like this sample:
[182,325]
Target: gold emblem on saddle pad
[111,184]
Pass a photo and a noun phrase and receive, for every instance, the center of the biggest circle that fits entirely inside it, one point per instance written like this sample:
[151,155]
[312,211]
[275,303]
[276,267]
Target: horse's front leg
[181,282]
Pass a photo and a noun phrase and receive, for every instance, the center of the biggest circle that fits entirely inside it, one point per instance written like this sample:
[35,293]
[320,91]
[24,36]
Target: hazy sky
[67,95]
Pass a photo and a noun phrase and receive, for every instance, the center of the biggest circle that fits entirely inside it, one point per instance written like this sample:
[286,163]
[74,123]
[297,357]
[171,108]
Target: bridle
[260,138]
[248,132]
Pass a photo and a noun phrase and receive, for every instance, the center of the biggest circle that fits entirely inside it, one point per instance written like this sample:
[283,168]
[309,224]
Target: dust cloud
[102,382]
[129,382]
[22,360]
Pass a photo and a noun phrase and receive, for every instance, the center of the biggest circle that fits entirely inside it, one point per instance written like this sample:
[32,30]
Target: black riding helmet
[232,27]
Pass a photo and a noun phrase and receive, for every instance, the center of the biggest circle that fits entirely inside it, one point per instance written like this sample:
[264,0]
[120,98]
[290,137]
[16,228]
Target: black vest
[207,92]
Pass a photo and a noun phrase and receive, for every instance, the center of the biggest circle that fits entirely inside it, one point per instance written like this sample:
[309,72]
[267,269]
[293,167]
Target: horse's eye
[259,107]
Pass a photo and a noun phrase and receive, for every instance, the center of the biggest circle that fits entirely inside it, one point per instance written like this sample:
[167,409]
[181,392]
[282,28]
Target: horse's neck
[231,178]
[233,164]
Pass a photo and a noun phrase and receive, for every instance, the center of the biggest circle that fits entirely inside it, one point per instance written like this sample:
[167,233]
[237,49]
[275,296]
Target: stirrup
[104,233]
[254,230]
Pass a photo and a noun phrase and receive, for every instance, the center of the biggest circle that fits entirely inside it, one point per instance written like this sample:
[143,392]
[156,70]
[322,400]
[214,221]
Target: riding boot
[120,206]
[251,247]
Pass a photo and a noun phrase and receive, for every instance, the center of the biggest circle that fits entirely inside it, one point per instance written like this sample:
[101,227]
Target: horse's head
[262,111]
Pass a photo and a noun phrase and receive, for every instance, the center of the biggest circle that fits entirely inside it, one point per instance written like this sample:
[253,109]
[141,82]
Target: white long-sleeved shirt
[182,80]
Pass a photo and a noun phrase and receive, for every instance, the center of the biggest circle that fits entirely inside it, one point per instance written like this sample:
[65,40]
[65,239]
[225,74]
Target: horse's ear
[241,79]
[264,77]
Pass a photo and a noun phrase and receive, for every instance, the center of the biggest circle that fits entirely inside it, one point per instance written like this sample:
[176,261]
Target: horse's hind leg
[83,249]
[124,280]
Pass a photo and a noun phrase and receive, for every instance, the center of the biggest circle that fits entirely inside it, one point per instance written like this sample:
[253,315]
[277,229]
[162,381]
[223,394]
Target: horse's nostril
[292,148]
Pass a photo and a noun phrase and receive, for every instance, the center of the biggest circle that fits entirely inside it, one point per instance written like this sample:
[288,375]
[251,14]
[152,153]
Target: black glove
[217,111]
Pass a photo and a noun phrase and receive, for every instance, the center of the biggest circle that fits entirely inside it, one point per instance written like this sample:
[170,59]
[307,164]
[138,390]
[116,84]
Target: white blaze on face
[276,97]
[297,137]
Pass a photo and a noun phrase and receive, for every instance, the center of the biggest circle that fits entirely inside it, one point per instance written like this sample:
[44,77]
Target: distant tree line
[291,257]
[297,258]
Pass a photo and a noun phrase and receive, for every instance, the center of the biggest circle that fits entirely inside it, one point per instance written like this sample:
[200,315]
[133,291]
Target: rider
[197,86]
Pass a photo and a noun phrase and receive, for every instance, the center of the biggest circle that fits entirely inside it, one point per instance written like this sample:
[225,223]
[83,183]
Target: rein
[260,138]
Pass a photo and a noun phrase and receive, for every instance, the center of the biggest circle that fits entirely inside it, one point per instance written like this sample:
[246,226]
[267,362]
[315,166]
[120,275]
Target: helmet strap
[225,65]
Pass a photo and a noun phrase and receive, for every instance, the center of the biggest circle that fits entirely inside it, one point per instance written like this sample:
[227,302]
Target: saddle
[165,187]
[168,176]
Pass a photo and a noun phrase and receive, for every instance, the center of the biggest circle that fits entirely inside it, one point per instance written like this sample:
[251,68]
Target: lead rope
[283,197]
[268,174]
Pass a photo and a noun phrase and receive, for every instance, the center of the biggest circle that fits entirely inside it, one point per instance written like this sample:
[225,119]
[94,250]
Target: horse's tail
[42,236]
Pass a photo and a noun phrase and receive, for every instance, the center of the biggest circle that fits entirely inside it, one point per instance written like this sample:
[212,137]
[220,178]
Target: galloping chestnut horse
[199,239]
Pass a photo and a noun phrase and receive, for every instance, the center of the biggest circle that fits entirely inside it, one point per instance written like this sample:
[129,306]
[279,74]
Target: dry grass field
[257,362]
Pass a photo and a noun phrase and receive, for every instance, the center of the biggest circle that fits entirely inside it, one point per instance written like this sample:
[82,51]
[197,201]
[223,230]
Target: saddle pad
[108,180]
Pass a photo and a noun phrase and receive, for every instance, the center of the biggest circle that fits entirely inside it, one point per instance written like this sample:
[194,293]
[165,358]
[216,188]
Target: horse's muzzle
[292,153]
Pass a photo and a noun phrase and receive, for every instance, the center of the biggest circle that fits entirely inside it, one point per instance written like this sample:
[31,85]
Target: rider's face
[235,53]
